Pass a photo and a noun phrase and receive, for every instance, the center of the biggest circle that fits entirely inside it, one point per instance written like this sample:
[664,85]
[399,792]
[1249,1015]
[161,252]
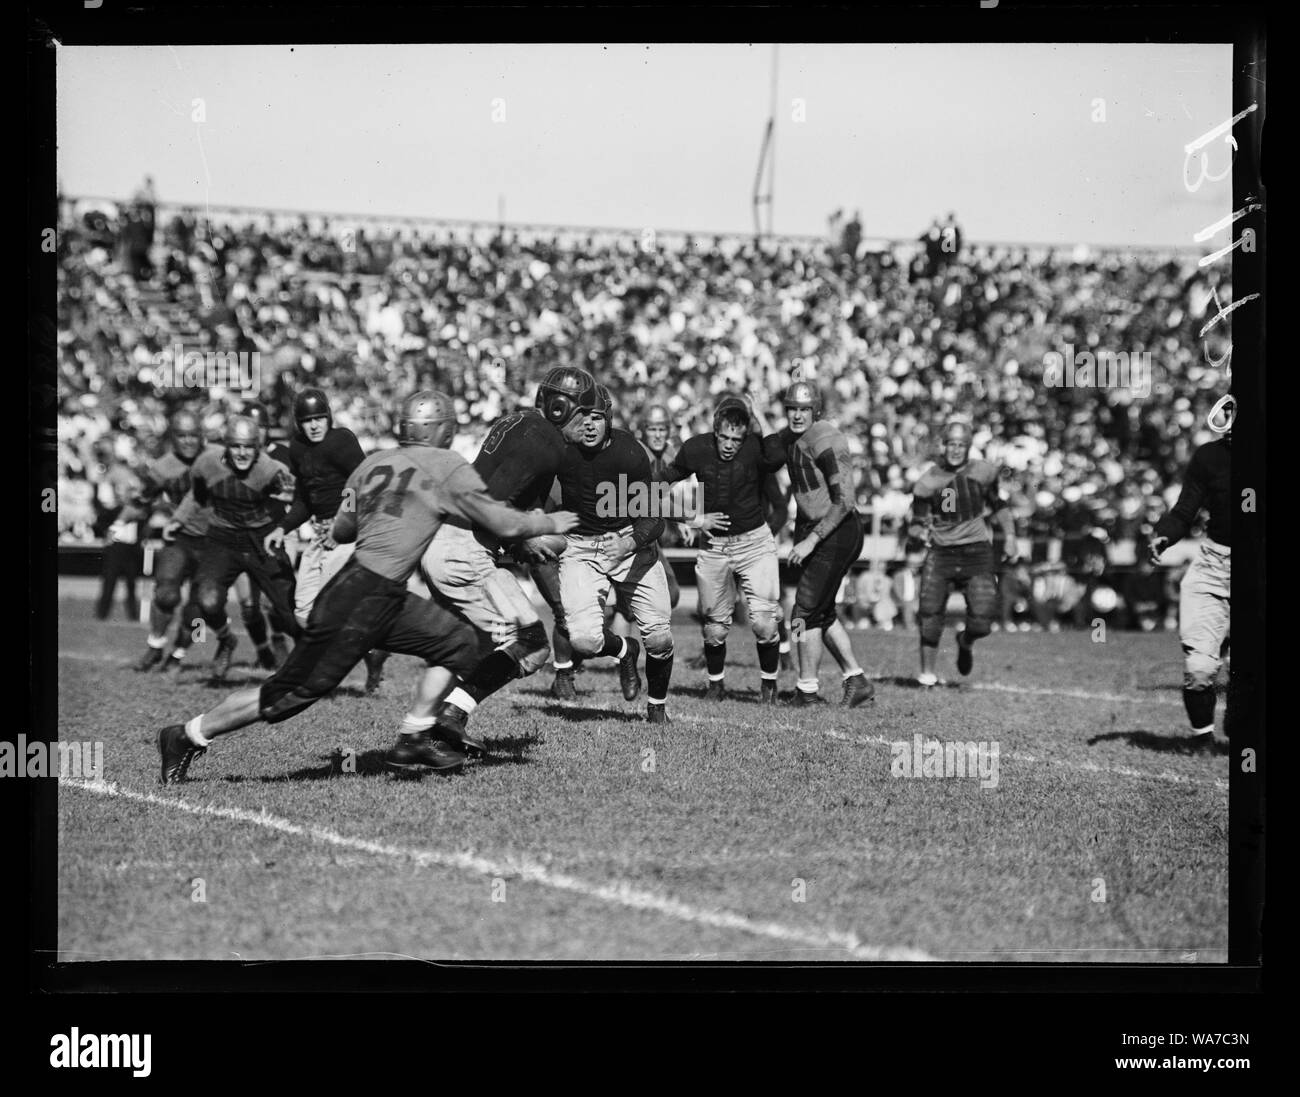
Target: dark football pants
[356,611]
[969,569]
[824,571]
[221,562]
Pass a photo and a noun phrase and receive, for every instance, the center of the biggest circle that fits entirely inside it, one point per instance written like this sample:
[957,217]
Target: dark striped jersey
[240,502]
[519,459]
[1207,485]
[659,462]
[821,474]
[953,502]
[320,472]
[165,481]
[733,487]
[601,487]
[397,499]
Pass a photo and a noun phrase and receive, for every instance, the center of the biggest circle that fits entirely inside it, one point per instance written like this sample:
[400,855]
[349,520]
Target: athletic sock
[614,647]
[488,677]
[658,671]
[194,730]
[157,642]
[769,658]
[1200,707]
[715,659]
[413,725]
[851,674]
[807,685]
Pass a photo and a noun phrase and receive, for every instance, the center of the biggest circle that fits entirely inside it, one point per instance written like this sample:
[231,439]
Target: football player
[731,462]
[1204,594]
[401,496]
[240,483]
[656,427]
[518,461]
[828,539]
[269,654]
[166,481]
[949,507]
[615,546]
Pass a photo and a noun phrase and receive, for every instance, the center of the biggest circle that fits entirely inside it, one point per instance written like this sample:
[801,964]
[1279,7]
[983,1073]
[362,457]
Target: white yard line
[616,893]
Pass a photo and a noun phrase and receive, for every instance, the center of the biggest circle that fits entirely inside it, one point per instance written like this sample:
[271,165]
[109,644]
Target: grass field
[736,832]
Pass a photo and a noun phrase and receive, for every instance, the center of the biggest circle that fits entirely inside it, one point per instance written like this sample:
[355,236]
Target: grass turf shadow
[1164,744]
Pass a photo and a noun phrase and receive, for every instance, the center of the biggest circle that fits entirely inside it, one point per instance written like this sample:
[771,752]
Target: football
[552,542]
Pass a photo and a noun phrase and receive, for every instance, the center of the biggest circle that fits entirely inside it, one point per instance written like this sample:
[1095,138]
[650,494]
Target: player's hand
[534,548]
[801,551]
[274,540]
[563,521]
[1156,548]
[688,533]
[1011,557]
[716,522]
[170,530]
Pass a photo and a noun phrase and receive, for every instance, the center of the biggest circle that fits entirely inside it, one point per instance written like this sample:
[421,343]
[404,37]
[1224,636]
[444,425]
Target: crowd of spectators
[898,337]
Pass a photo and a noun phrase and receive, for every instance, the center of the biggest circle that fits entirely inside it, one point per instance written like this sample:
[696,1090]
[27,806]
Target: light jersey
[821,473]
[397,499]
[956,501]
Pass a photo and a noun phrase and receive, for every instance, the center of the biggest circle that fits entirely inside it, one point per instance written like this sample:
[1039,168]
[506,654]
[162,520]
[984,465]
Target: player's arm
[469,496]
[299,511]
[198,497]
[919,520]
[344,529]
[838,473]
[1177,523]
[647,530]
[777,497]
[998,504]
[145,499]
[774,453]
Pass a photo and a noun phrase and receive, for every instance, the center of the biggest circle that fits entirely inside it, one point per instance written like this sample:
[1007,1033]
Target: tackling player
[166,482]
[518,461]
[1204,612]
[732,462]
[949,504]
[828,539]
[402,496]
[614,546]
[239,483]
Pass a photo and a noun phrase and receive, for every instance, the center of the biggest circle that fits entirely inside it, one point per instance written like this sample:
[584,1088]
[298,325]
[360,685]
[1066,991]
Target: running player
[828,539]
[731,463]
[949,507]
[402,496]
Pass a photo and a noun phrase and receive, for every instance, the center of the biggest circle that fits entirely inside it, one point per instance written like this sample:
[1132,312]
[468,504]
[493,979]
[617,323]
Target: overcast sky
[665,136]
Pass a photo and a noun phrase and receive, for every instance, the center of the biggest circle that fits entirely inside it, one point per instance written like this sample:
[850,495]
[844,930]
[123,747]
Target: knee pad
[763,622]
[931,628]
[531,650]
[715,632]
[658,641]
[977,627]
[167,598]
[1200,671]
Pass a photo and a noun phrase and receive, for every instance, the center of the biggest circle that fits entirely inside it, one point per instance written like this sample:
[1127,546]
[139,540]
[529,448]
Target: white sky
[665,136]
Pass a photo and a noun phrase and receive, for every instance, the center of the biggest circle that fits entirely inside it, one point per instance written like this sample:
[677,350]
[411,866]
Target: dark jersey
[1207,485]
[661,461]
[240,503]
[519,459]
[396,500]
[165,482]
[821,474]
[734,487]
[320,472]
[278,504]
[600,486]
[954,502]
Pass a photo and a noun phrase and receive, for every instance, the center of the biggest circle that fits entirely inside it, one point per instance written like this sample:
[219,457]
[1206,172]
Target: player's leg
[841,549]
[254,620]
[981,603]
[348,619]
[784,646]
[546,577]
[759,572]
[584,589]
[932,603]
[132,567]
[645,586]
[717,595]
[191,626]
[1203,619]
[273,575]
[217,569]
[674,591]
[168,569]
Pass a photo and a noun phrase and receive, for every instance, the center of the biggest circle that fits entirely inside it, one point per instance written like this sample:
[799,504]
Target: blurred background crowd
[898,336]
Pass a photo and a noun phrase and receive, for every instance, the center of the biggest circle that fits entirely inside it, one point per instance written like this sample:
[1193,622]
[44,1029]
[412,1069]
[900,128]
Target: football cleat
[266,658]
[221,661]
[717,691]
[149,659]
[657,714]
[451,726]
[375,669]
[176,752]
[802,699]
[628,676]
[927,680]
[965,655]
[421,751]
[171,666]
[563,689]
[767,692]
[857,691]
